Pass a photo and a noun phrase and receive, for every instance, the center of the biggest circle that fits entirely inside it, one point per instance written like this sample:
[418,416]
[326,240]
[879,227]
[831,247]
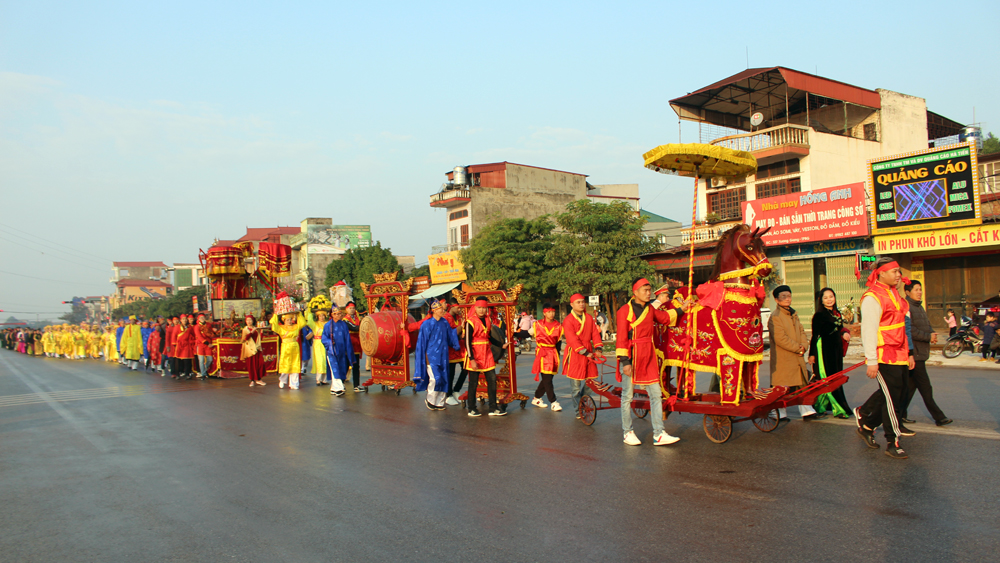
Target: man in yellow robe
[131,344]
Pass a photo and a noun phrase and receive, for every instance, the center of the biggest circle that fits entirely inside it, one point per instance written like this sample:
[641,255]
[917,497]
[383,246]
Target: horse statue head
[740,255]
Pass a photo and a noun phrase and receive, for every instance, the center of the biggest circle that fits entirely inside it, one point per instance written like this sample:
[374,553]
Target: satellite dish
[756,119]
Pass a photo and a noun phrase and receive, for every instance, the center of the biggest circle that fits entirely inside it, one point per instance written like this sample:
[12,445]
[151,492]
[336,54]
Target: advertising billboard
[804,217]
[931,189]
[335,239]
[446,267]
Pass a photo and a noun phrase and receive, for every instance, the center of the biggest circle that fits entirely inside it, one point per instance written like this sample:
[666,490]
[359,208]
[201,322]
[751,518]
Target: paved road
[101,464]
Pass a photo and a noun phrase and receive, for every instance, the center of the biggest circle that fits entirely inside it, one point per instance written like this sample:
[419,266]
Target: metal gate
[799,277]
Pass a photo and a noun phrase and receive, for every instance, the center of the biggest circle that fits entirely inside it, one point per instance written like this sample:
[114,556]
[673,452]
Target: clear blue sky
[141,131]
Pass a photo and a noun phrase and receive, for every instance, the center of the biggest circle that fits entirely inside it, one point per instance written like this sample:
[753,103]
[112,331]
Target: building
[139,280]
[477,194]
[188,275]
[812,138]
[319,242]
[666,232]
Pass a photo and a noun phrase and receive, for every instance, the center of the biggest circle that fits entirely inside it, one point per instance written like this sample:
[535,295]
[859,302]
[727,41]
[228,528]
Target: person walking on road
[989,333]
[583,348]
[251,352]
[339,348]
[788,346]
[636,322]
[479,361]
[920,336]
[436,336]
[827,349]
[888,356]
[547,333]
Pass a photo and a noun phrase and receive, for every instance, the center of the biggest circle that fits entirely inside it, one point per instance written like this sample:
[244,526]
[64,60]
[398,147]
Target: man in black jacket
[918,329]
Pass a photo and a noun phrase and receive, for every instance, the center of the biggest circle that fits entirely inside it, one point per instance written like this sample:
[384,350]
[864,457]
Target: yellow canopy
[691,159]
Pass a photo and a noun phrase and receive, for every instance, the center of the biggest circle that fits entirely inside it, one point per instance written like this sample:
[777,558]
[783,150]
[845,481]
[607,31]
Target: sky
[139,131]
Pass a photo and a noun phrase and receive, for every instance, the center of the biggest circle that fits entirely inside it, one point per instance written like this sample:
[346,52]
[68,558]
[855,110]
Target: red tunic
[547,335]
[354,324]
[153,345]
[581,336]
[481,351]
[185,343]
[456,321]
[635,340]
[171,335]
[893,347]
[203,335]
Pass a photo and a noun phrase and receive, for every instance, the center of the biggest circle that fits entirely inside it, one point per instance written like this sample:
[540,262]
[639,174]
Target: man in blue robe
[431,362]
[305,346]
[118,340]
[339,350]
[145,331]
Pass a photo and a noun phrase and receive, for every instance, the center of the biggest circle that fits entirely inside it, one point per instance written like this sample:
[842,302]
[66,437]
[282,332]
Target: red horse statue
[726,337]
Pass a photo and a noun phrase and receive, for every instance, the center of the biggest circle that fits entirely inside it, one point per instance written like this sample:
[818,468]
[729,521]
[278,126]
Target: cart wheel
[398,391]
[767,421]
[588,410]
[718,427]
[524,403]
[640,411]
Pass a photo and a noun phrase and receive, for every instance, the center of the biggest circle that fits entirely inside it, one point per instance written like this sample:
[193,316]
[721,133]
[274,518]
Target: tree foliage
[419,271]
[179,302]
[360,265]
[598,250]
[991,144]
[514,250]
[77,315]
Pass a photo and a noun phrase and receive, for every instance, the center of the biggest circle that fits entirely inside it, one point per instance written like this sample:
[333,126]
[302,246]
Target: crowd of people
[456,344]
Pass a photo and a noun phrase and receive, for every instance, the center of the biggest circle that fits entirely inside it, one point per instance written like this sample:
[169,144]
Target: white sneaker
[281,385]
[539,403]
[631,439]
[665,439]
[556,407]
[451,400]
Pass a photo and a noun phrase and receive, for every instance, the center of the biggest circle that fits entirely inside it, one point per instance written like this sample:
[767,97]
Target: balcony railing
[766,138]
[462,193]
[448,247]
[705,234]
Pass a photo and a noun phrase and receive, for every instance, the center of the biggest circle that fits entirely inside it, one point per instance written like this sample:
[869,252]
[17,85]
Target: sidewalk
[967,360]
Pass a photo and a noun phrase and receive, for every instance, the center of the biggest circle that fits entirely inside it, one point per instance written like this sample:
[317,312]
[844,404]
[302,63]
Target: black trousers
[919,380]
[491,388]
[356,371]
[545,387]
[454,387]
[175,365]
[882,408]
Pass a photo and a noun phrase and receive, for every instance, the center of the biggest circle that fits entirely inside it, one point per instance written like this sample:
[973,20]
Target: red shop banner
[802,217]
[227,356]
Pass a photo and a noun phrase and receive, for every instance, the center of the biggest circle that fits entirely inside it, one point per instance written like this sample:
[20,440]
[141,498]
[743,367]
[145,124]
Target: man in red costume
[479,357]
[888,356]
[353,320]
[547,333]
[170,351]
[185,348]
[203,335]
[583,348]
[636,351]
[456,358]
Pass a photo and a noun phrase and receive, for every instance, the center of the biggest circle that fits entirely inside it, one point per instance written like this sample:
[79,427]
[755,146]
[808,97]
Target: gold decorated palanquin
[387,294]
[503,304]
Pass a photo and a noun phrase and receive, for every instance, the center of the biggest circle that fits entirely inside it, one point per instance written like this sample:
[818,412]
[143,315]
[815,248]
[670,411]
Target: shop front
[815,239]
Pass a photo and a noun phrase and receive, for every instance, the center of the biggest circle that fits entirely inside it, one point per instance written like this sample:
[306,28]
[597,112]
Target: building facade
[812,138]
[318,243]
[135,281]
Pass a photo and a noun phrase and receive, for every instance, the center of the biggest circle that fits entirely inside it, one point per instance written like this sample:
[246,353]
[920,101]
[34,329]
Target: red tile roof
[259,234]
[139,265]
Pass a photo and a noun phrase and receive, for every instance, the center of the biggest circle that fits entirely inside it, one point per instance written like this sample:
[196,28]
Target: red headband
[553,309]
[663,289]
[574,297]
[640,283]
[873,277]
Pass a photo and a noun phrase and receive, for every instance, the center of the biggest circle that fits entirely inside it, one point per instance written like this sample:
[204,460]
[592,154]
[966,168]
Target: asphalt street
[98,463]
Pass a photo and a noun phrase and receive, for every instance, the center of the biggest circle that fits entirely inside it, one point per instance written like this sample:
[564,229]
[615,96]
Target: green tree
[176,304]
[77,315]
[991,144]
[360,265]
[515,251]
[598,251]
[419,271]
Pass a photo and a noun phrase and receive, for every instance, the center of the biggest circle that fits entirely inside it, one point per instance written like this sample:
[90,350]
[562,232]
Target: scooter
[967,335]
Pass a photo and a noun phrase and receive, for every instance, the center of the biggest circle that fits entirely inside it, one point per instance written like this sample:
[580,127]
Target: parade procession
[430,282]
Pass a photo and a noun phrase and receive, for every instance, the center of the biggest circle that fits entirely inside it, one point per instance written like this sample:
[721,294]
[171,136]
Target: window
[726,203]
[465,235]
[453,235]
[458,215]
[778,169]
[778,187]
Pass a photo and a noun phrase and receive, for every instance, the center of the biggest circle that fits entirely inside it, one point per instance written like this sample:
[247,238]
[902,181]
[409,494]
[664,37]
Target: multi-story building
[188,275]
[477,194]
[139,280]
[317,243]
[808,134]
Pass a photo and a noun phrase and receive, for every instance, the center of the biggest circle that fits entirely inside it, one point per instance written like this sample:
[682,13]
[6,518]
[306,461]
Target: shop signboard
[446,267]
[336,239]
[805,217]
[826,248]
[981,237]
[931,189]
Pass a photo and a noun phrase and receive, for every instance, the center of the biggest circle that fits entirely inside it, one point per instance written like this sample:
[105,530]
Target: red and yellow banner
[227,357]
[275,259]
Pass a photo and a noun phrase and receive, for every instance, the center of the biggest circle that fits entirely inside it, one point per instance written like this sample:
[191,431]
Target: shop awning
[433,291]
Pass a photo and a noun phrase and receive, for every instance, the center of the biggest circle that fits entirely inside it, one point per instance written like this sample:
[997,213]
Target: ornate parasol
[700,161]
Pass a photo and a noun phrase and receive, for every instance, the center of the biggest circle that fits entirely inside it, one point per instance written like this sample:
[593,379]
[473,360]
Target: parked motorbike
[966,336]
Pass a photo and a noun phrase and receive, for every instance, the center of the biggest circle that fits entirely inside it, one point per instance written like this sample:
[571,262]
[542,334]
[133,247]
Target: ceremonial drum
[381,336]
